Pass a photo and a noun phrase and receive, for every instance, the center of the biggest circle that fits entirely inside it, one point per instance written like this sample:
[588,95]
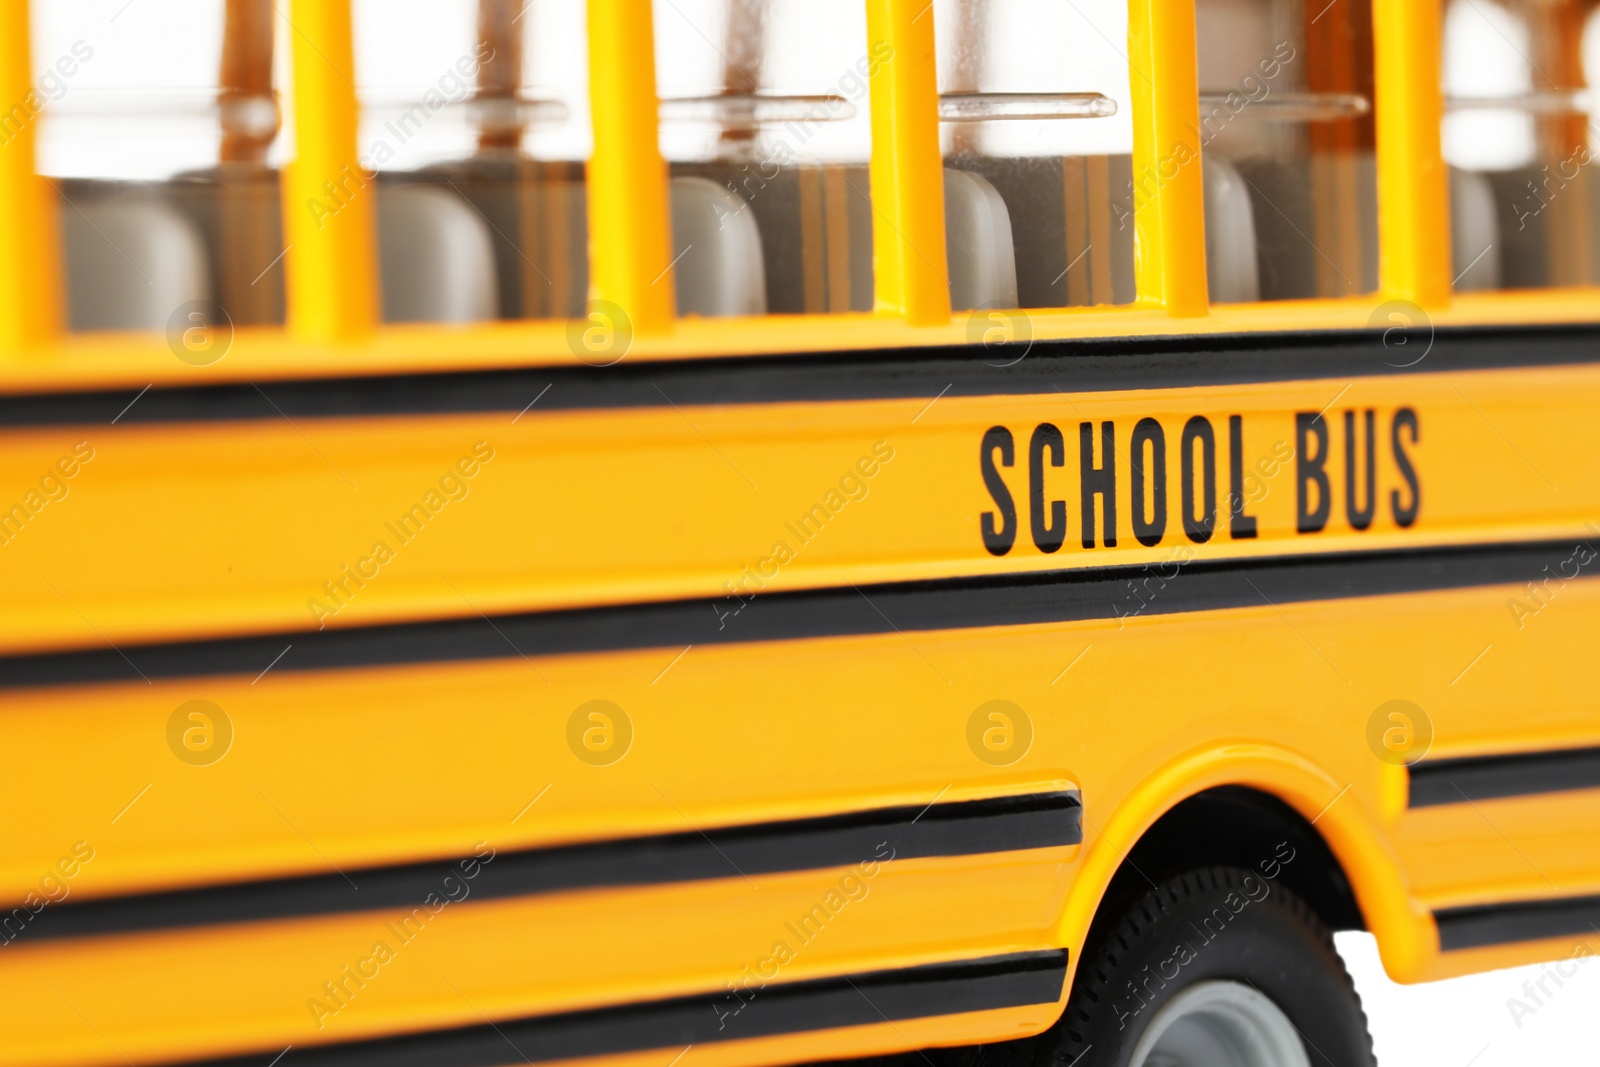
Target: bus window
[767,133]
[1037,135]
[1524,203]
[475,120]
[1286,132]
[160,129]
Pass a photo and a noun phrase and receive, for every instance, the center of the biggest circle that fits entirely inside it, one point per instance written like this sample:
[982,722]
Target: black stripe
[1453,781]
[956,828]
[1052,596]
[1092,365]
[1504,924]
[1013,981]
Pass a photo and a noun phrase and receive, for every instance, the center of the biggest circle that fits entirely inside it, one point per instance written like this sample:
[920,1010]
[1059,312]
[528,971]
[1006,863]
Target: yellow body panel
[133,361]
[676,502]
[327,773]
[506,958]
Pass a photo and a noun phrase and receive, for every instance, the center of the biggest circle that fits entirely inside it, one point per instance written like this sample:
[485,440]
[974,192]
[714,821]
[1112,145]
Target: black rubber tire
[1271,940]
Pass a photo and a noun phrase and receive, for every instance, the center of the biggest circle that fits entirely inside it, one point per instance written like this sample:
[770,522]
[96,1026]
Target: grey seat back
[436,257]
[132,260]
[982,258]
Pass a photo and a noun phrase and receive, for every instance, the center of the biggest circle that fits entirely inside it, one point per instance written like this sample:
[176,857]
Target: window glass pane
[766,127]
[1286,128]
[1037,133]
[1524,204]
[162,127]
[475,119]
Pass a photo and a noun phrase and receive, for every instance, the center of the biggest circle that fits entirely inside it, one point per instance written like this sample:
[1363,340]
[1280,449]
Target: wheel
[1217,967]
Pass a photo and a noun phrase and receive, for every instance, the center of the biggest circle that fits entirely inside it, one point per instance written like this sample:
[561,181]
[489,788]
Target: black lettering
[1405,516]
[1241,527]
[1311,468]
[1049,531]
[1149,527]
[1098,481]
[1360,517]
[1198,431]
[998,540]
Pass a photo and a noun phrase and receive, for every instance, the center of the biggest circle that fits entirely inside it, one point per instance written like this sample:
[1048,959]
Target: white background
[1466,1021]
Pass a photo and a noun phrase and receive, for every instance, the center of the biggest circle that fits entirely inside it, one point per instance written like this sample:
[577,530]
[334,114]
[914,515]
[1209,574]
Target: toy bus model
[721,533]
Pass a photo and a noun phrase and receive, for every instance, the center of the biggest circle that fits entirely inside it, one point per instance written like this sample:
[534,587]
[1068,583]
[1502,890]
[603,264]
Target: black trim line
[1521,774]
[953,828]
[1092,365]
[1017,980]
[1006,600]
[1503,924]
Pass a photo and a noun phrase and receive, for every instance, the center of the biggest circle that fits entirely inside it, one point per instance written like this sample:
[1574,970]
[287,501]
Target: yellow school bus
[735,532]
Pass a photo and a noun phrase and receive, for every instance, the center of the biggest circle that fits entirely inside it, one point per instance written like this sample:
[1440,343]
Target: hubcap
[1220,1024]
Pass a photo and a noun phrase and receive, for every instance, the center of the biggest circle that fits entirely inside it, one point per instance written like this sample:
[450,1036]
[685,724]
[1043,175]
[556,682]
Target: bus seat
[1308,247]
[132,260]
[717,248]
[1474,232]
[436,257]
[560,287]
[537,211]
[1232,273]
[815,224]
[982,260]
[238,210]
[1544,225]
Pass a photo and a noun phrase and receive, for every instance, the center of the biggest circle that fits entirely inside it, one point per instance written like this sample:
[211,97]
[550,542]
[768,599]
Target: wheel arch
[1239,826]
[1341,826]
